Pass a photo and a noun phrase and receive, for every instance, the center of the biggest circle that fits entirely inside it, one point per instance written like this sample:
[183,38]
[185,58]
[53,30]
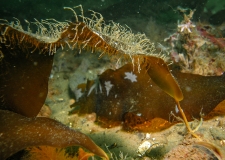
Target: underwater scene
[112,79]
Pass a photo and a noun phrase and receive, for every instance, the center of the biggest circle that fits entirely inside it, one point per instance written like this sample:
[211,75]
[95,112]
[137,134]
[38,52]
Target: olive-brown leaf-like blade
[24,72]
[160,74]
[18,132]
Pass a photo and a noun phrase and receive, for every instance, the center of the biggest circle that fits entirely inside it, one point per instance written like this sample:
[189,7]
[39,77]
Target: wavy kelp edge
[114,39]
[24,71]
[135,46]
[19,132]
[93,34]
[17,45]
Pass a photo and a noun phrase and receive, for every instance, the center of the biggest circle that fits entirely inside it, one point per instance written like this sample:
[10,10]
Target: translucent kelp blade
[160,74]
[24,72]
[19,132]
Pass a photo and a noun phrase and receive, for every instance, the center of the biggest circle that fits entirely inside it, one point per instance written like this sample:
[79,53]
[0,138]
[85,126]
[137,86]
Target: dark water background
[162,11]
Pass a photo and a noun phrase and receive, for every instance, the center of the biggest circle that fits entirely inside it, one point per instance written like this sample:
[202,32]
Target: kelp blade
[160,74]
[24,72]
[19,132]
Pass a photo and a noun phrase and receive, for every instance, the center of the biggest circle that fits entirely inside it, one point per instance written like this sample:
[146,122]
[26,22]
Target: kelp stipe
[161,75]
[142,51]
[92,34]
[117,42]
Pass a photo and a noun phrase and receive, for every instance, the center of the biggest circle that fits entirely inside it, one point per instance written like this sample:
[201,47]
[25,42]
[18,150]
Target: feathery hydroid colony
[119,37]
[95,35]
[89,33]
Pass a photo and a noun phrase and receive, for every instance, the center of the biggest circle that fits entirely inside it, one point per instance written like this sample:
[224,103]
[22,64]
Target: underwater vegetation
[133,101]
[198,48]
[24,88]
[19,132]
[26,62]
